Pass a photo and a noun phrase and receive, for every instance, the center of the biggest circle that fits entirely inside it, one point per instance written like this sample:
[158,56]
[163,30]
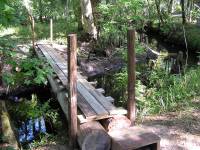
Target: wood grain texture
[132,138]
[92,103]
[72,88]
[116,122]
[112,110]
[92,136]
[99,109]
[131,76]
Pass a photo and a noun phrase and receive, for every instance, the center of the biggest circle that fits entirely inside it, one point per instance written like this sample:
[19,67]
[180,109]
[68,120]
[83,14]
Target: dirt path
[178,131]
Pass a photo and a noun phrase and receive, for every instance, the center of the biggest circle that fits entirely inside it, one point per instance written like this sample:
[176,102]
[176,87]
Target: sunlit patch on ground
[178,130]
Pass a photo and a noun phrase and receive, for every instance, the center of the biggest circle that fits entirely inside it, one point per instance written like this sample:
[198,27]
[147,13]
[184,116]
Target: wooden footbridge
[94,121]
[91,102]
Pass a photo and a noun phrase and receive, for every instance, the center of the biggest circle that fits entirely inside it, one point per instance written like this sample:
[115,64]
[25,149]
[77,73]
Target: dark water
[157,43]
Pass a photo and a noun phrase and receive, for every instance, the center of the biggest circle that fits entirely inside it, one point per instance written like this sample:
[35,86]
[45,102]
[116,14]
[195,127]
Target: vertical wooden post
[131,76]
[51,30]
[72,84]
[32,22]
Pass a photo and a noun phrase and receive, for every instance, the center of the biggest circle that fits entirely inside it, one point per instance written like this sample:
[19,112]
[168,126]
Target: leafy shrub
[32,109]
[114,20]
[28,71]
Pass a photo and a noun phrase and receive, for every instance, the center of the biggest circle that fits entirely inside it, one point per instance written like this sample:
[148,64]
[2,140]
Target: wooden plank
[57,70]
[60,95]
[96,107]
[81,119]
[101,90]
[110,99]
[102,99]
[57,57]
[132,138]
[93,103]
[99,109]
[87,110]
[57,63]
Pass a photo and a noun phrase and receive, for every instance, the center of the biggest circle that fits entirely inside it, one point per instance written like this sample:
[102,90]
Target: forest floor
[177,130]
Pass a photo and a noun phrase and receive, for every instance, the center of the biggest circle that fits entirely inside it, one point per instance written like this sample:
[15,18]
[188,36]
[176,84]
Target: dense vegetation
[103,24]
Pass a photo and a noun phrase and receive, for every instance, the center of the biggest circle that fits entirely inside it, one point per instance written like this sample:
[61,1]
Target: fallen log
[7,129]
[92,136]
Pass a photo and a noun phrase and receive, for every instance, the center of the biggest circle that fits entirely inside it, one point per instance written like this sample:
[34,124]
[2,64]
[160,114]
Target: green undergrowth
[158,91]
[173,33]
[30,109]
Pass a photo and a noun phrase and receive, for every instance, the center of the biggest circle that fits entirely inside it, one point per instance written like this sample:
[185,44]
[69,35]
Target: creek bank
[174,35]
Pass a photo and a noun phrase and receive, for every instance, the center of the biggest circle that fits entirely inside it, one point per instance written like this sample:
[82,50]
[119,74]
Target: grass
[161,92]
[22,33]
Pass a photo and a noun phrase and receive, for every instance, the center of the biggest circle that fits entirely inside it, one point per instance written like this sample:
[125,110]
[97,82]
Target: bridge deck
[92,103]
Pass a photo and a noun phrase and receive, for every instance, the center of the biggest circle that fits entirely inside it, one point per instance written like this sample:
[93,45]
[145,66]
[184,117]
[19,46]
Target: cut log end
[92,136]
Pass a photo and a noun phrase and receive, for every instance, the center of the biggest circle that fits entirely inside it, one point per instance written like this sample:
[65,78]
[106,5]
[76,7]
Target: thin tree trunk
[157,2]
[189,10]
[170,5]
[32,22]
[149,11]
[77,13]
[88,19]
[183,11]
[27,4]
[40,11]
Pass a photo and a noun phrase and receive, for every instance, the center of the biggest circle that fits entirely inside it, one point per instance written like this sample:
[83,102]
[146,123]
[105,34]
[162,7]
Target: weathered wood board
[134,138]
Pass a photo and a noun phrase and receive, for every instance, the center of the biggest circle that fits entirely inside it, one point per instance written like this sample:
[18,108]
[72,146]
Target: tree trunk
[40,11]
[183,11]
[77,13]
[170,5]
[28,5]
[189,7]
[88,19]
[157,2]
[32,22]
